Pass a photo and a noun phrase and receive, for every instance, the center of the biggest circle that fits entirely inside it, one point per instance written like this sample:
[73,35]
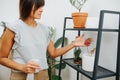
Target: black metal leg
[118,55]
[59,74]
[117,78]
[77,75]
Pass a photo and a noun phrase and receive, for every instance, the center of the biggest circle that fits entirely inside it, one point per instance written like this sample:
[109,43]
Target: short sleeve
[48,35]
[13,28]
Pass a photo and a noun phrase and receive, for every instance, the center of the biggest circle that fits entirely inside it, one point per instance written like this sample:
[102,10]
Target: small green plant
[78,4]
[77,58]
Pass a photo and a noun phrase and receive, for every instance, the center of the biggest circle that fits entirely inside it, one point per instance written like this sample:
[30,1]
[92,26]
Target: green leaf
[85,1]
[55,77]
[78,4]
[52,32]
[77,52]
[3,23]
[59,42]
[49,72]
[57,66]
[65,41]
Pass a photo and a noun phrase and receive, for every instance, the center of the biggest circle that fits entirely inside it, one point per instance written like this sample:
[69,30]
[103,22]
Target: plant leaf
[49,72]
[52,32]
[55,77]
[57,66]
[77,52]
[59,42]
[78,4]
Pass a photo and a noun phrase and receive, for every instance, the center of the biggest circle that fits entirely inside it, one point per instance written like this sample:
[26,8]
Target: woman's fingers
[82,35]
[32,64]
[31,67]
[79,41]
[30,70]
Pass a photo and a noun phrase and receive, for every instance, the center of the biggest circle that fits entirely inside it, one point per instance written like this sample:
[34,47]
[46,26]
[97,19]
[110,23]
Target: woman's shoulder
[16,23]
[13,23]
[13,26]
[43,26]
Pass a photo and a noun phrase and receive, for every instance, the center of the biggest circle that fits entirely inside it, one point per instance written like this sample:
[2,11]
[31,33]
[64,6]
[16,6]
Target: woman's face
[37,13]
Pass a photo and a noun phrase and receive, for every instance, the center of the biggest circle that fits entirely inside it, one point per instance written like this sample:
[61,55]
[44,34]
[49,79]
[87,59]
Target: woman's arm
[55,52]
[5,48]
[6,45]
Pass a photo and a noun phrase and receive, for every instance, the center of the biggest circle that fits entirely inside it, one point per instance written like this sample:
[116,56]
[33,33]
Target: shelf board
[93,29]
[101,72]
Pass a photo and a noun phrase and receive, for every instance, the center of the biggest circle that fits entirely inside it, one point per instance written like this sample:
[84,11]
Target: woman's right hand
[79,41]
[30,67]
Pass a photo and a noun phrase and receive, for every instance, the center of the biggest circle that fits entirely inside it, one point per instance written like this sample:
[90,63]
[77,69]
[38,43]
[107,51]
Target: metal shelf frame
[101,72]
[98,72]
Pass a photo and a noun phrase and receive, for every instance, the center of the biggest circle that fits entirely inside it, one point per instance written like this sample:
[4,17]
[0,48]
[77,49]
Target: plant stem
[79,9]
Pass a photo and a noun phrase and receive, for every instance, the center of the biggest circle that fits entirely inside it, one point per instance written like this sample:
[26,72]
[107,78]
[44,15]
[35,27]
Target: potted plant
[79,18]
[77,58]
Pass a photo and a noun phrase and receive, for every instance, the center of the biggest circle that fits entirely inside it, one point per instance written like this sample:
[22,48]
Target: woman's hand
[30,67]
[79,41]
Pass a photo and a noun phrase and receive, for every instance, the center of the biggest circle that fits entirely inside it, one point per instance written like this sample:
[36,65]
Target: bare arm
[6,45]
[5,48]
[55,52]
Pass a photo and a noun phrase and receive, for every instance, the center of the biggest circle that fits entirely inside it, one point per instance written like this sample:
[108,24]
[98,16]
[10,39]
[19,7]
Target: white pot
[88,62]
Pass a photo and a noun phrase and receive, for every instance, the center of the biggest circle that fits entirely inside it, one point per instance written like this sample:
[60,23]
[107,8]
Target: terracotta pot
[79,19]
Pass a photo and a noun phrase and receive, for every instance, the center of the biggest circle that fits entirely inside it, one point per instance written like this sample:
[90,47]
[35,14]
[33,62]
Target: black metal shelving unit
[98,72]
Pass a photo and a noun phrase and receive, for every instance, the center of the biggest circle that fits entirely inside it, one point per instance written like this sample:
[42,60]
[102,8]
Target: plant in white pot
[88,58]
[79,18]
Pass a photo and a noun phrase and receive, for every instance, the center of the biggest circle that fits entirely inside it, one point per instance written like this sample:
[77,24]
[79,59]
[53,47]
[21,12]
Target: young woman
[29,40]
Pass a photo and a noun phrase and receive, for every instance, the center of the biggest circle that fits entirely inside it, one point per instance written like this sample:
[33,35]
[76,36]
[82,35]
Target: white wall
[53,15]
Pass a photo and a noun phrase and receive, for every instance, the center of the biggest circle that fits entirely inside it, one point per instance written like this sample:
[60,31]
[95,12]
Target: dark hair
[25,7]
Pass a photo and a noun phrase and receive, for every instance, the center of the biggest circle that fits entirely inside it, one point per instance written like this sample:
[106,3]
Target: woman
[28,41]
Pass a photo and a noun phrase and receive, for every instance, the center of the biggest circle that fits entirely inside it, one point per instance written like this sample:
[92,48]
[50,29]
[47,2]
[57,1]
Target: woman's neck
[31,22]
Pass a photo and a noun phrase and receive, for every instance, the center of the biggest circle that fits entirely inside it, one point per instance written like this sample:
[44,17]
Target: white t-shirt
[30,43]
